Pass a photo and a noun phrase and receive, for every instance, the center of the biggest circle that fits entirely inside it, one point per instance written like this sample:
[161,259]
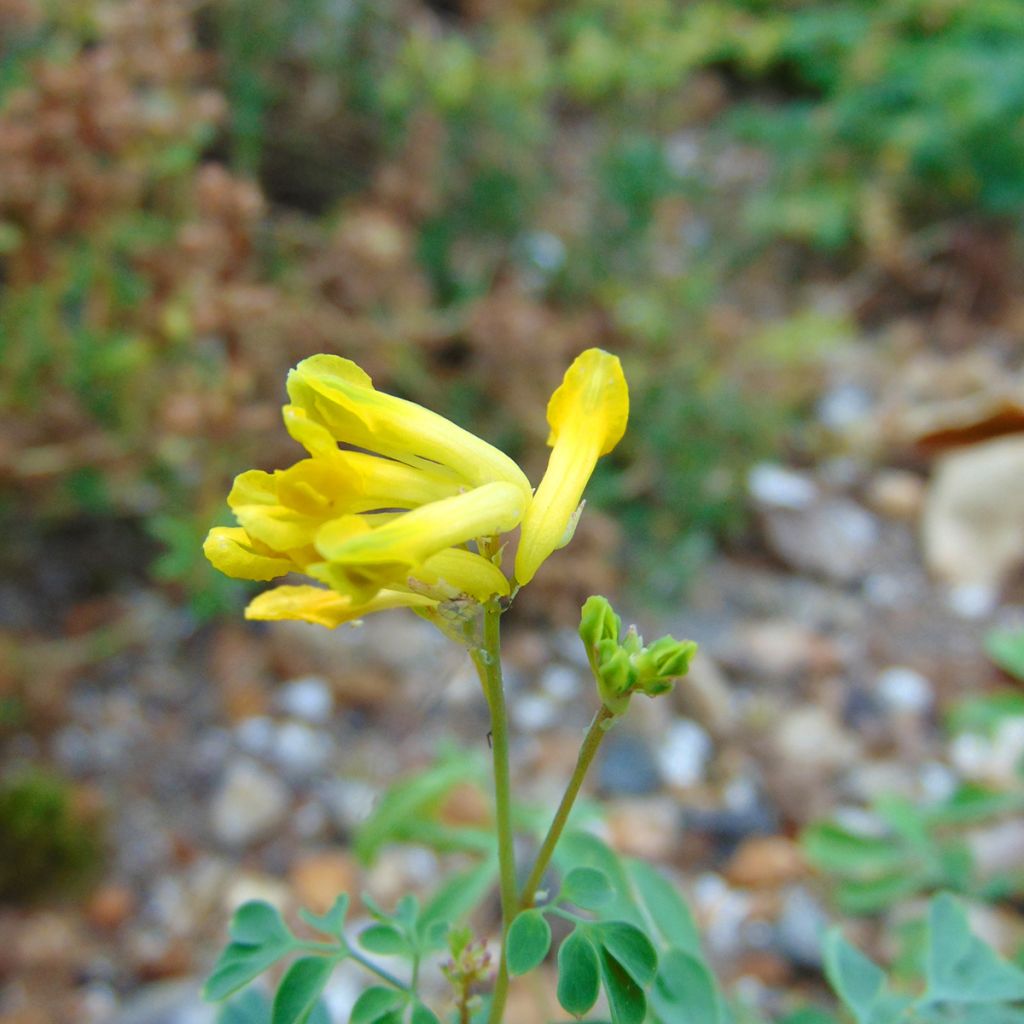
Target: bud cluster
[624,667]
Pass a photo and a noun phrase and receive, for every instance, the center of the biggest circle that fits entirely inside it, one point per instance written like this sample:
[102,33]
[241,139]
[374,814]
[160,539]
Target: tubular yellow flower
[338,395]
[364,558]
[587,415]
[325,607]
[395,523]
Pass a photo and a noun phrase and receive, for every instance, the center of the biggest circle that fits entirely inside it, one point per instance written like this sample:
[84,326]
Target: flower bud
[598,622]
[616,676]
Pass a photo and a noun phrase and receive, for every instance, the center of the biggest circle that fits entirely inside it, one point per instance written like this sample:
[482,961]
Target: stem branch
[487,660]
[598,727]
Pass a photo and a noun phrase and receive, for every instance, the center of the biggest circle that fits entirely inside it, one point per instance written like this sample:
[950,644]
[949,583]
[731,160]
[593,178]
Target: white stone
[309,698]
[249,805]
[684,753]
[904,690]
[778,487]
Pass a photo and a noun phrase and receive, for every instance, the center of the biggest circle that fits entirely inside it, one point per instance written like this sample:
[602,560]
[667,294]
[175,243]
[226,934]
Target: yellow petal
[234,553]
[337,394]
[458,573]
[364,559]
[285,509]
[325,607]
[587,415]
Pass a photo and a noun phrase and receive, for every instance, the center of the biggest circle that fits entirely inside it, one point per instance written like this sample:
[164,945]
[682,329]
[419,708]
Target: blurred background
[798,224]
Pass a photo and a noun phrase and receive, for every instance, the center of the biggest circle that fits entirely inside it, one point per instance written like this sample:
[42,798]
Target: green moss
[50,847]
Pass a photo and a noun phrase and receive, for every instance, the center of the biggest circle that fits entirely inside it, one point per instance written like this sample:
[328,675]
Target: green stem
[379,971]
[598,727]
[487,659]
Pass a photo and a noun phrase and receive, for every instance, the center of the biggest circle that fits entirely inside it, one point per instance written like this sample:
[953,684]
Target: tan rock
[973,526]
[318,879]
[110,906]
[896,494]
[765,862]
[649,828]
[466,804]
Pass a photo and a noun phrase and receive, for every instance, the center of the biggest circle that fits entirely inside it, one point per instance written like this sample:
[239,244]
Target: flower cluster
[622,668]
[397,506]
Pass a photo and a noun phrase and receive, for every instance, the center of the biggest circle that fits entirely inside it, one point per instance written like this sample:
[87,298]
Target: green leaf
[685,991]
[809,1015]
[300,989]
[529,939]
[858,982]
[583,849]
[424,1015]
[413,801]
[376,1003]
[385,940]
[588,888]
[631,948]
[251,1007]
[626,998]
[578,981]
[333,922]
[261,938]
[960,967]
[237,966]
[864,896]
[665,907]
[257,923]
[455,899]
[1006,648]
[833,848]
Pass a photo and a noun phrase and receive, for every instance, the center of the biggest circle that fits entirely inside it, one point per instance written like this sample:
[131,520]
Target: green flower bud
[633,642]
[598,622]
[616,676]
[663,662]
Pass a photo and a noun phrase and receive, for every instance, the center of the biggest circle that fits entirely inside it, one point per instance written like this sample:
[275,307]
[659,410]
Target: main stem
[598,727]
[487,659]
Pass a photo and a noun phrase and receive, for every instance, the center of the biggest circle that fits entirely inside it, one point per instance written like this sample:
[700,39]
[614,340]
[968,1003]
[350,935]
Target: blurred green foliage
[49,845]
[404,175]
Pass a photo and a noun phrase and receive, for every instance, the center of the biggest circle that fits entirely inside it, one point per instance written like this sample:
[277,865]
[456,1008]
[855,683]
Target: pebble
[684,753]
[996,849]
[649,828]
[810,739]
[299,750]
[255,735]
[249,804]
[721,911]
[800,926]
[896,494]
[994,759]
[349,802]
[844,407]
[775,486]
[831,537]
[765,862]
[318,878]
[466,804]
[251,885]
[627,766]
[561,683]
[779,649]
[972,601]
[904,690]
[308,698]
[704,696]
[175,1002]
[110,906]
[532,712]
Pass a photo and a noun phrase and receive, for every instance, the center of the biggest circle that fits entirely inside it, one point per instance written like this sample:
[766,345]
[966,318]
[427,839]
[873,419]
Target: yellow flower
[587,415]
[417,516]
